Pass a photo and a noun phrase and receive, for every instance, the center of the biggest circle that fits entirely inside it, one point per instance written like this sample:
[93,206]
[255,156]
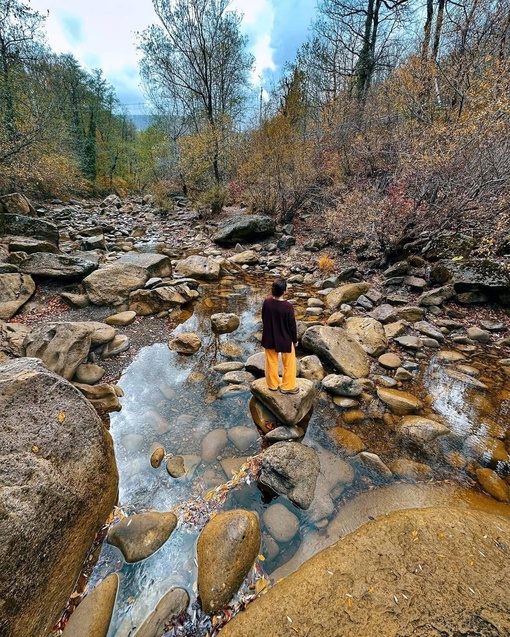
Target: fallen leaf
[61,417]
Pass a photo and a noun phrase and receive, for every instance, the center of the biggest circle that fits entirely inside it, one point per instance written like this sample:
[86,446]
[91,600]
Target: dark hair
[278,288]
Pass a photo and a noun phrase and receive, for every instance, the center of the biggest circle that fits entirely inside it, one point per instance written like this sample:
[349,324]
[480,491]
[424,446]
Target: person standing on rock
[279,335]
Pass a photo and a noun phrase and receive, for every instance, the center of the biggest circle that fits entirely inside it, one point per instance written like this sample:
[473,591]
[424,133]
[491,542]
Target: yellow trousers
[288,381]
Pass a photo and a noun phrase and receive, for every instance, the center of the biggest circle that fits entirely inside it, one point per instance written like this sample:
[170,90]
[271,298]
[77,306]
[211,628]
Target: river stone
[311,368]
[175,467]
[281,523]
[147,302]
[450,356]
[88,374]
[410,313]
[156,265]
[198,267]
[384,314]
[403,374]
[224,323]
[242,437]
[466,379]
[239,228]
[59,484]
[141,535]
[410,342]
[487,450]
[478,335]
[347,441]
[112,284]
[185,343]
[338,385]
[392,330]
[75,300]
[119,344]
[226,550]
[290,409]
[424,327]
[400,402]
[369,333]
[405,603]
[15,290]
[228,366]
[291,469]
[493,484]
[121,319]
[390,361]
[238,377]
[16,204]
[232,465]
[437,296]
[410,470]
[339,349]
[12,337]
[157,457]
[103,397]
[421,430]
[285,432]
[374,465]
[56,266]
[213,444]
[61,346]
[247,257]
[93,616]
[171,606]
[493,326]
[16,227]
[346,294]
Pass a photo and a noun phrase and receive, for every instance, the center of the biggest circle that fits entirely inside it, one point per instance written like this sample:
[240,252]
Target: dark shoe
[271,389]
[290,391]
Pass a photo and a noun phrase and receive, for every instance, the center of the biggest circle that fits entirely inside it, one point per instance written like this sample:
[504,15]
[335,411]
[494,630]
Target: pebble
[281,523]
[390,361]
[157,457]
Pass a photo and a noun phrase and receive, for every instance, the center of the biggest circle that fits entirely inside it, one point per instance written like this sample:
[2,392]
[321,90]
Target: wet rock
[403,374]
[103,397]
[450,356]
[112,284]
[478,335]
[346,293]
[421,430]
[288,408]
[119,344]
[231,350]
[390,361]
[226,550]
[121,319]
[338,385]
[454,374]
[156,265]
[15,290]
[369,333]
[238,377]
[487,450]
[231,466]
[338,349]
[229,366]
[270,548]
[88,374]
[437,296]
[213,444]
[347,442]
[93,616]
[239,228]
[198,267]
[281,523]
[311,368]
[185,343]
[61,346]
[374,465]
[224,323]
[291,469]
[493,484]
[141,535]
[157,457]
[242,437]
[410,470]
[175,467]
[285,433]
[399,402]
[58,464]
[171,606]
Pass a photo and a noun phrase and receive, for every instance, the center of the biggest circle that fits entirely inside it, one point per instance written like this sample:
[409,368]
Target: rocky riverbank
[83,285]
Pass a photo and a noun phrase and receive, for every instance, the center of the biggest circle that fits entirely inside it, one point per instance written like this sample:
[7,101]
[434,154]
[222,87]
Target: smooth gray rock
[339,349]
[56,266]
[288,408]
[171,606]
[213,444]
[311,368]
[281,523]
[141,535]
[369,333]
[241,228]
[339,385]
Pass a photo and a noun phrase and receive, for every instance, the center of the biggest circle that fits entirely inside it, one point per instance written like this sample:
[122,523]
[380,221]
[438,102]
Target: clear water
[172,400]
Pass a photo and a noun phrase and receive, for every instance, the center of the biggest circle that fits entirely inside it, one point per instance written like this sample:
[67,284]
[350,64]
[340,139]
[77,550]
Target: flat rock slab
[346,294]
[198,267]
[226,550]
[155,264]
[121,319]
[93,616]
[56,266]
[345,590]
[400,402]
[139,536]
[288,408]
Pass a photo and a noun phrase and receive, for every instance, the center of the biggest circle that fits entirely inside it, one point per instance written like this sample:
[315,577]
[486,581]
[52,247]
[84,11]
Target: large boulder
[56,266]
[140,535]
[15,225]
[155,264]
[288,408]
[61,346]
[386,578]
[291,469]
[145,302]
[15,290]
[12,336]
[489,278]
[226,550]
[338,348]
[346,294]
[58,485]
[369,333]
[244,228]
[16,204]
[112,284]
[198,267]
[93,616]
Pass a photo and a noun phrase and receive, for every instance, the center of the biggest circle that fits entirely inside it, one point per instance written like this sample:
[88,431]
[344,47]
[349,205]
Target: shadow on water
[172,401]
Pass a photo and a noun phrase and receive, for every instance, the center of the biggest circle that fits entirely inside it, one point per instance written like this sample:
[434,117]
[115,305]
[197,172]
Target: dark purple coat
[279,330]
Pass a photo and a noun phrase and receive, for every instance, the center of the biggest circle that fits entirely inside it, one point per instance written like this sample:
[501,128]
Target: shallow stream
[173,400]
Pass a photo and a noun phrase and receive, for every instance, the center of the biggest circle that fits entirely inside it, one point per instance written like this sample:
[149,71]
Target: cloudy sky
[102,34]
